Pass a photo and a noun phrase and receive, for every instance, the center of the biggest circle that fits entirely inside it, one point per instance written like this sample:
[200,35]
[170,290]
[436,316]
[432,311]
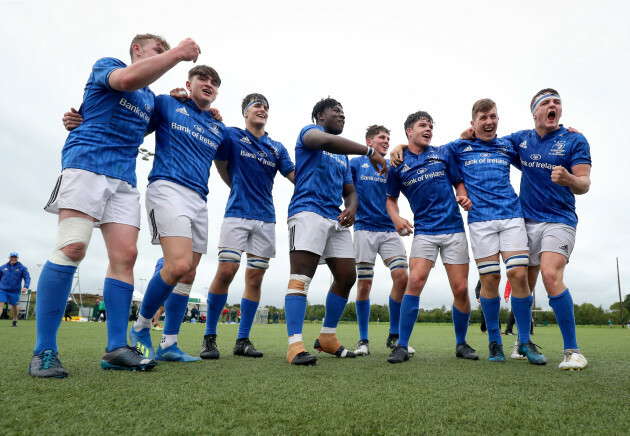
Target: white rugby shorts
[251,236]
[104,198]
[553,237]
[453,248]
[488,238]
[174,210]
[367,244]
[312,232]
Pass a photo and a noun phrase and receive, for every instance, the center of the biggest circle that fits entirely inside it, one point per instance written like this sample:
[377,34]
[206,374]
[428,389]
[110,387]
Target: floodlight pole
[619,287]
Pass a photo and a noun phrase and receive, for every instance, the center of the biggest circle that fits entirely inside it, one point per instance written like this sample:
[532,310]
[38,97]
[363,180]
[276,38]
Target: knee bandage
[365,271]
[489,267]
[397,262]
[71,230]
[516,261]
[230,255]
[298,284]
[182,289]
[254,262]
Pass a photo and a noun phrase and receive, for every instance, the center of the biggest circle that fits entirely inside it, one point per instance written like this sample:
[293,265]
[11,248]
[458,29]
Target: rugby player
[496,227]
[97,187]
[248,164]
[556,166]
[375,233]
[319,229]
[187,139]
[426,176]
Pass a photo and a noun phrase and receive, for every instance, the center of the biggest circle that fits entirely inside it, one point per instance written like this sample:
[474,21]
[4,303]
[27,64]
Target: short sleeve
[393,184]
[286,164]
[103,68]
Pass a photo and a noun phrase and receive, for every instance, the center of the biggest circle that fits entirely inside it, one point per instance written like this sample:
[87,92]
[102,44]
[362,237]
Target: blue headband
[253,103]
[544,97]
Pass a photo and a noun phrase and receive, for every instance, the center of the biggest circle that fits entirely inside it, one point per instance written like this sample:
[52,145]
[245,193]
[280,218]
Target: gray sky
[382,60]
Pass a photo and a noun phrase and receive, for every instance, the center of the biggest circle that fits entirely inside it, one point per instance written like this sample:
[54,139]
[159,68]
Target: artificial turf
[434,392]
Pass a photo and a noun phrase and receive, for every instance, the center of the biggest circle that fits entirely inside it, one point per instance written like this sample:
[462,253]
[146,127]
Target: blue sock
[117,296]
[215,306]
[562,306]
[53,290]
[394,316]
[174,311]
[363,317]
[248,313]
[295,311]
[155,296]
[335,305]
[460,322]
[522,309]
[409,308]
[490,308]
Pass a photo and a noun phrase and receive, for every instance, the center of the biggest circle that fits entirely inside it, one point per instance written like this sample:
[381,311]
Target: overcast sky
[381,60]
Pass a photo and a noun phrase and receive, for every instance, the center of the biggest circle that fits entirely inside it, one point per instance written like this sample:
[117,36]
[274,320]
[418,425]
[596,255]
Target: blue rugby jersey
[113,127]
[541,199]
[485,168]
[186,141]
[427,180]
[319,179]
[253,164]
[372,192]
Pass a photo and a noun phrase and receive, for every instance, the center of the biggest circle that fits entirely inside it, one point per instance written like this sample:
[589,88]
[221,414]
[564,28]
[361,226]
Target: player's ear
[188,86]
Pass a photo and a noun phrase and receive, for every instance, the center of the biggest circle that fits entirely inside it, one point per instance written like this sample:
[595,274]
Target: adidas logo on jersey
[405,168]
[523,144]
[246,140]
[182,110]
[469,148]
[564,248]
[365,165]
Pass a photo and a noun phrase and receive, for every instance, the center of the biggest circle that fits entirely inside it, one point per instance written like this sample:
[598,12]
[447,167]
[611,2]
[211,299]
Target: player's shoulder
[358,160]
[109,62]
[309,127]
[574,137]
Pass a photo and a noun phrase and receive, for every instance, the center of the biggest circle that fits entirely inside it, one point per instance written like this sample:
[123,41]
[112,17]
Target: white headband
[253,103]
[544,97]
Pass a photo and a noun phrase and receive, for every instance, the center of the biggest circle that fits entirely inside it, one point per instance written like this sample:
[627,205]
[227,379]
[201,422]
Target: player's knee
[400,278]
[178,269]
[551,278]
[416,283]
[517,277]
[226,272]
[298,284]
[460,292]
[124,255]
[75,252]
[346,279]
[73,238]
[254,278]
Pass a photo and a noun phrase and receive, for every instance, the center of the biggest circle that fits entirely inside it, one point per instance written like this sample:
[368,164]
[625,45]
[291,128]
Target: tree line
[585,314]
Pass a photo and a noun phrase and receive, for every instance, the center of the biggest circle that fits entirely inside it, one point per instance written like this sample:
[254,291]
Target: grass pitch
[432,393]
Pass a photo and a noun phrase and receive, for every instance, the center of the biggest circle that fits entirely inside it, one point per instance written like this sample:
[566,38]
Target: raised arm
[146,71]
[315,139]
